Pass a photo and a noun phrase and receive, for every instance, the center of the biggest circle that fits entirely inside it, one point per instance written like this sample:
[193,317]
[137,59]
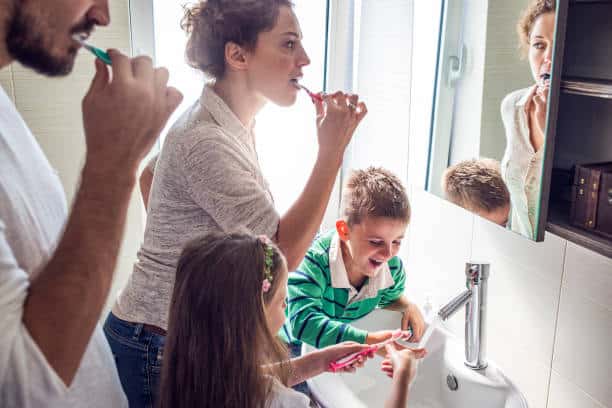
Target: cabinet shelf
[598,88]
[558,224]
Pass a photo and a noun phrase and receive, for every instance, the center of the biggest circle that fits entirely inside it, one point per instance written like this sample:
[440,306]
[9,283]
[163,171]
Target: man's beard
[28,44]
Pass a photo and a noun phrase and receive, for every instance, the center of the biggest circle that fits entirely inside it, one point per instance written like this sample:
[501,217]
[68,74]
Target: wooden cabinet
[583,109]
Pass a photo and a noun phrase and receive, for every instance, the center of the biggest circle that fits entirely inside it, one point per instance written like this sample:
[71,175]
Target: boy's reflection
[477,186]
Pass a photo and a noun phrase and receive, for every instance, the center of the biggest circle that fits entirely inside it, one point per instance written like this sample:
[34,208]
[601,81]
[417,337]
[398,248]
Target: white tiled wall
[582,352]
[549,303]
[52,110]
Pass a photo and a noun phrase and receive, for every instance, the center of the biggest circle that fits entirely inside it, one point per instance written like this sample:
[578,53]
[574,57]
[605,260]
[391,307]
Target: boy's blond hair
[476,185]
[374,192]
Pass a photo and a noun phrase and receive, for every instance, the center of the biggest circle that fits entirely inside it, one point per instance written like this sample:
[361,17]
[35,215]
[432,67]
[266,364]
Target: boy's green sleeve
[308,320]
[399,276]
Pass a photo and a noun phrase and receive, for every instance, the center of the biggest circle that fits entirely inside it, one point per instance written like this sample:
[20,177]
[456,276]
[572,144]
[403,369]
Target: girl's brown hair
[528,18]
[219,350]
[211,24]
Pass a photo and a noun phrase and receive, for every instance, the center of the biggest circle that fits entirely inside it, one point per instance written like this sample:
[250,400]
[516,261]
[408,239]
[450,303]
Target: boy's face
[371,243]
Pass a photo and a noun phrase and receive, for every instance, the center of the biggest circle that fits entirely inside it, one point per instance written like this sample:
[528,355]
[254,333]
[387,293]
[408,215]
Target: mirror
[489,119]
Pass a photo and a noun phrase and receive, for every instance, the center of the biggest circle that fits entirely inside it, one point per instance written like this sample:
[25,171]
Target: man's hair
[475,185]
[374,192]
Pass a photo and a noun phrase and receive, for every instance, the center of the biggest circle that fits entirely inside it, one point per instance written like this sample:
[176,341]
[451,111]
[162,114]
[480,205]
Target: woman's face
[277,60]
[541,46]
[275,308]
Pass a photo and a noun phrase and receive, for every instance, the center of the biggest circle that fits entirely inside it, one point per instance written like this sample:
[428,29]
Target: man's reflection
[477,186]
[524,116]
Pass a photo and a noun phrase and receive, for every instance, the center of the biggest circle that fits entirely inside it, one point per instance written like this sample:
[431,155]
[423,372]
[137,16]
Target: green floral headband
[268,263]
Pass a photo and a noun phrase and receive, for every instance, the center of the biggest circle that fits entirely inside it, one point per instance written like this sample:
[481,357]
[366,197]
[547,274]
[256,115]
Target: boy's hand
[383,335]
[334,353]
[413,319]
[401,363]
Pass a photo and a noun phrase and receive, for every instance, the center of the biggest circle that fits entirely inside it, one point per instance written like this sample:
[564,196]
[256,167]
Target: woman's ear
[342,229]
[235,56]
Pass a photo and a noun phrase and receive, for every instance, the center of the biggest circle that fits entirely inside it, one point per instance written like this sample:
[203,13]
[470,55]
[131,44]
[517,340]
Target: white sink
[369,386]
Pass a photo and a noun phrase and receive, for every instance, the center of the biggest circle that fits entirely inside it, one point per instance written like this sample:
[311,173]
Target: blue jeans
[138,354]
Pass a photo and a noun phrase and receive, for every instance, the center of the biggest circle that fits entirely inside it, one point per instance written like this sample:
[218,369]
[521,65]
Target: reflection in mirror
[490,109]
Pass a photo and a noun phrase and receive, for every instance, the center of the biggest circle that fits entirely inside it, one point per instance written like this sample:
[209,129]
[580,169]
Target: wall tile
[589,274]
[565,394]
[6,81]
[523,290]
[439,245]
[523,298]
[582,345]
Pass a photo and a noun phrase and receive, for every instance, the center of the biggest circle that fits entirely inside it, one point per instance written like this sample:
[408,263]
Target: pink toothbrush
[314,96]
[351,358]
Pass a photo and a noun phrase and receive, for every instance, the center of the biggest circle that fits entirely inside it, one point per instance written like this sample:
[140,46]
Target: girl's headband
[268,263]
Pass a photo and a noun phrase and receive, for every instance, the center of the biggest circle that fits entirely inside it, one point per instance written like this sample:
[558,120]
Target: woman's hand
[413,319]
[338,115]
[334,353]
[540,102]
[401,363]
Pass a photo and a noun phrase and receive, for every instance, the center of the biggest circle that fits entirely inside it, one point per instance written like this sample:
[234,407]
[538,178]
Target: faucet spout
[451,307]
[474,299]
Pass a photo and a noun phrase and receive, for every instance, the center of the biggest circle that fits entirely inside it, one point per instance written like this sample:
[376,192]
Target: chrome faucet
[474,298]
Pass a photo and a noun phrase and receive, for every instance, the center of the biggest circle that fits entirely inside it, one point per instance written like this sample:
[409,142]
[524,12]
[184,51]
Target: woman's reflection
[524,116]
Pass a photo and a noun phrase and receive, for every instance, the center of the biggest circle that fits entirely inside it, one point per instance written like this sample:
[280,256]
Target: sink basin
[442,380]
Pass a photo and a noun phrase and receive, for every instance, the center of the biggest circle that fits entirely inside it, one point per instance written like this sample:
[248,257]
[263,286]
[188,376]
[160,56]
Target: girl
[221,349]
[208,178]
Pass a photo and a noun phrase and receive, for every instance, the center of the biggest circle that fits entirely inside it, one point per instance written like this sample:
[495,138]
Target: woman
[524,116]
[208,179]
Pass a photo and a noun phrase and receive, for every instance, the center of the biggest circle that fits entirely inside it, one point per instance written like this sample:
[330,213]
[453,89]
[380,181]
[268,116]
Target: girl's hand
[338,115]
[412,318]
[334,353]
[401,363]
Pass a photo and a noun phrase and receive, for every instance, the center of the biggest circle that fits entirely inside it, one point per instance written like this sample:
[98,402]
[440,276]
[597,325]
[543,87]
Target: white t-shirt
[32,217]
[284,397]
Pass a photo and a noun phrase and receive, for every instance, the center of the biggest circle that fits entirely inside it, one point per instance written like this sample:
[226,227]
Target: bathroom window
[378,67]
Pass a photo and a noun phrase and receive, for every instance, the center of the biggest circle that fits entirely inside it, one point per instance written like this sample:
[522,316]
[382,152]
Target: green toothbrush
[80,38]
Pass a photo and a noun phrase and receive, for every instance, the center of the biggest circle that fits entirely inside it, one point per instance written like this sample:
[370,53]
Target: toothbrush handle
[348,360]
[100,54]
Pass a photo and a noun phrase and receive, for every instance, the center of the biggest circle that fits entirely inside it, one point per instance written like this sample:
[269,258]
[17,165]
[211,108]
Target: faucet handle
[477,271]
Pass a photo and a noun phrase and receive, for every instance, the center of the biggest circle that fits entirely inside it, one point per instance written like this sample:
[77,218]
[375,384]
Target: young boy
[477,186]
[351,270]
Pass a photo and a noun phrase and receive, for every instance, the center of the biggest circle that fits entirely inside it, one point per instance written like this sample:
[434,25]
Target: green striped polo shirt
[321,302]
